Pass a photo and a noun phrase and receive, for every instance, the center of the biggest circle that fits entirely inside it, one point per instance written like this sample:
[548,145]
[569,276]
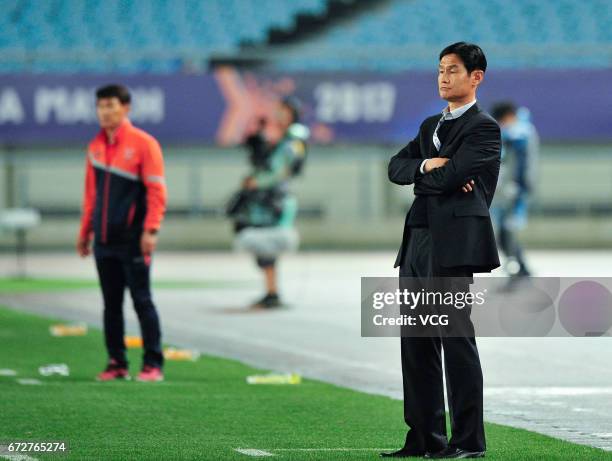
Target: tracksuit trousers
[118,268]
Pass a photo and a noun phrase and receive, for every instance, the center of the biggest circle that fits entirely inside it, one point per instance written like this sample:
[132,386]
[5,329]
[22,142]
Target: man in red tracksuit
[123,207]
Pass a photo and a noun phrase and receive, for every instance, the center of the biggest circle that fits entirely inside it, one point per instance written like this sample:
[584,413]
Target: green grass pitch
[204,410]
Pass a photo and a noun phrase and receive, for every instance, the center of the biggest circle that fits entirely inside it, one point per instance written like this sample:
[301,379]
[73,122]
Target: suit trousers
[424,411]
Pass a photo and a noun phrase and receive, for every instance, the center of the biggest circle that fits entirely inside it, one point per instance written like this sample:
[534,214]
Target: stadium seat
[166,35]
[133,36]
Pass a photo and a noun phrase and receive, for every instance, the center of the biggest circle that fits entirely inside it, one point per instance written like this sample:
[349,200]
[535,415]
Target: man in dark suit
[454,164]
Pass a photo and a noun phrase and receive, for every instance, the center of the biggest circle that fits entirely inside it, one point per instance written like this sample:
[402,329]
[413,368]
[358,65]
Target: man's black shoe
[455,453]
[270,300]
[404,453]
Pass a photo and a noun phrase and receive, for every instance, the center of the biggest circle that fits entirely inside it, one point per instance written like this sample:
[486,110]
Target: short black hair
[502,109]
[114,91]
[295,107]
[472,55]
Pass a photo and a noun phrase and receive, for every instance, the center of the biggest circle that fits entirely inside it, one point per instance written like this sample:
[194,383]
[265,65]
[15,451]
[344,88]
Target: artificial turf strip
[204,409]
[29,285]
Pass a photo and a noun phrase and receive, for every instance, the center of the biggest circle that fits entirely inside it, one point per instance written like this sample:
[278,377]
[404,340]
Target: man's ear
[477,77]
[127,108]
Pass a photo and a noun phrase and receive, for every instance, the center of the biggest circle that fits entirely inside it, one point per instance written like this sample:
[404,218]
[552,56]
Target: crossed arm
[445,175]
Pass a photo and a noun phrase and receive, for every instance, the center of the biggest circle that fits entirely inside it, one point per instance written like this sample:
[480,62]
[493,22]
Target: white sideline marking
[257,452]
[19,457]
[548,391]
[7,372]
[332,449]
[253,452]
[4,453]
[583,410]
[29,381]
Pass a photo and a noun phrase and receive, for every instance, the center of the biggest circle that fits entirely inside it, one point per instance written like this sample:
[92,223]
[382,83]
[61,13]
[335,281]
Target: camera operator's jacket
[284,162]
[125,190]
[289,151]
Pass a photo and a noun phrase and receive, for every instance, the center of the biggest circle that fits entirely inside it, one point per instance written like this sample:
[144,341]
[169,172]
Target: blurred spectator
[516,184]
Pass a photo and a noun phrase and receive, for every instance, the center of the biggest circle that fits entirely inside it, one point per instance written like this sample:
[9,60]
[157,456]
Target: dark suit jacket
[459,222]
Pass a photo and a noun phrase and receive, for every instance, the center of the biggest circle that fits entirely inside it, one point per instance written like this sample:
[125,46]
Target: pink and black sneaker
[150,374]
[114,371]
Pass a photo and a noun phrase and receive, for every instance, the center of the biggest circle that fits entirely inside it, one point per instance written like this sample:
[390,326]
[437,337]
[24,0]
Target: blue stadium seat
[167,35]
[407,34]
[131,35]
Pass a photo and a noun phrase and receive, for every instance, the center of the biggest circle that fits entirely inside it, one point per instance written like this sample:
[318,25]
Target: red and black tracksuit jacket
[125,190]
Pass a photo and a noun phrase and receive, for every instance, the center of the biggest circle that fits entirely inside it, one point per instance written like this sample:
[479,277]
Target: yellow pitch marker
[288,378]
[171,353]
[133,342]
[75,329]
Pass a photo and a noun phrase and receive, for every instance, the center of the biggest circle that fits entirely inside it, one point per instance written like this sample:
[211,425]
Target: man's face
[111,112]
[507,120]
[454,82]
